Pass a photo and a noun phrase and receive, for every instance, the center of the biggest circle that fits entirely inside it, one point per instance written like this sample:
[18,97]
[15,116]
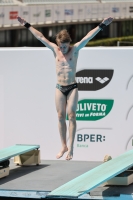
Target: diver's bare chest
[65,60]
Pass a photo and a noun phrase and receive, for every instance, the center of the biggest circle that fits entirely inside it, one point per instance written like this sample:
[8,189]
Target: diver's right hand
[21,20]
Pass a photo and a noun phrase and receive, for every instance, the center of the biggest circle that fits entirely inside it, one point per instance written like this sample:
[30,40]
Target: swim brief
[66,89]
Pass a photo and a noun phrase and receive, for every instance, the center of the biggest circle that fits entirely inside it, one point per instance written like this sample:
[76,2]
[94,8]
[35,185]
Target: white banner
[61,16]
[68,12]
[101,11]
[40,11]
[81,12]
[9,14]
[56,12]
[75,16]
[48,13]
[131,9]
[87,12]
[115,10]
[25,13]
[2,15]
[123,10]
[94,11]
[60,13]
[16,12]
[106,10]
[104,112]
[39,14]
[1,112]
[33,14]
[128,10]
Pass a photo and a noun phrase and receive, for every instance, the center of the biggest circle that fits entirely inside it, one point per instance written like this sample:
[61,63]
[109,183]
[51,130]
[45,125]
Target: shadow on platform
[20,171]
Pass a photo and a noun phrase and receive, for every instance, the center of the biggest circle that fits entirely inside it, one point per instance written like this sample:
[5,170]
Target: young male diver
[66,95]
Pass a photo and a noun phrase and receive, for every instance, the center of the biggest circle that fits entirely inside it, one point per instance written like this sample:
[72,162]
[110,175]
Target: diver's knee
[61,117]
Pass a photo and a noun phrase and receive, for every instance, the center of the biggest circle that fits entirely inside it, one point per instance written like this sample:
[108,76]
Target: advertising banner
[94,11]
[131,9]
[34,14]
[68,12]
[75,16]
[106,10]
[25,13]
[40,16]
[81,12]
[59,12]
[88,12]
[123,10]
[48,13]
[1,112]
[100,11]
[2,15]
[105,105]
[116,10]
[56,13]
[9,14]
[16,12]
[111,6]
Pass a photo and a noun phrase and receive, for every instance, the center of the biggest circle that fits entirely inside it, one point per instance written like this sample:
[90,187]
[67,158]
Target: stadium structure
[50,16]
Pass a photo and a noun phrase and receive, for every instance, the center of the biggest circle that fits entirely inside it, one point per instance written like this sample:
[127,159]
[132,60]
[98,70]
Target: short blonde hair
[63,37]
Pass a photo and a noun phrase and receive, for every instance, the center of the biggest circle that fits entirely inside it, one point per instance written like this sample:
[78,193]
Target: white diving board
[93,178]
[18,149]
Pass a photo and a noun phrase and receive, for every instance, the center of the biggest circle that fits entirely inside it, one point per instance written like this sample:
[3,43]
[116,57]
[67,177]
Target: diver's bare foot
[69,155]
[61,153]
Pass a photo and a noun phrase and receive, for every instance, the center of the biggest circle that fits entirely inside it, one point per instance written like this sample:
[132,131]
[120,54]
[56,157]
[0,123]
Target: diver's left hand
[107,21]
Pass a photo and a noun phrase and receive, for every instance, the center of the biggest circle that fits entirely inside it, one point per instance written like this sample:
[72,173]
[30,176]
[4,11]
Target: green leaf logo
[93,109]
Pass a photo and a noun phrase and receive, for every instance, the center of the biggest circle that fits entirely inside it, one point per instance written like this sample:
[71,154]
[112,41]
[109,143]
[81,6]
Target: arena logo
[93,109]
[92,80]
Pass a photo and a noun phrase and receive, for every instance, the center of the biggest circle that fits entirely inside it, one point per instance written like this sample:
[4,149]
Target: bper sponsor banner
[93,109]
[91,80]
[90,138]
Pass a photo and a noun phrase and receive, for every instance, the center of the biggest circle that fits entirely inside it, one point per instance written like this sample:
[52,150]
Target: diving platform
[61,179]
[95,177]
[23,154]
